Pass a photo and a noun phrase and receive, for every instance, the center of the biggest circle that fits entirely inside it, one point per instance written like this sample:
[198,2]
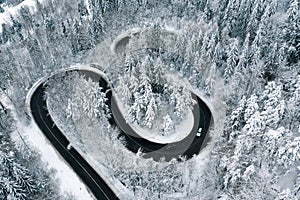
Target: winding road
[88,175]
[188,146]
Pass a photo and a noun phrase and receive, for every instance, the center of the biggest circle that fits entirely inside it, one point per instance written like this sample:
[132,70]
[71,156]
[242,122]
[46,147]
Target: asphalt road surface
[187,147]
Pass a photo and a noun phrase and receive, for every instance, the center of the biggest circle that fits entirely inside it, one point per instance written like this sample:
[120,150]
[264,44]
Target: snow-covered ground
[200,158]
[9,11]
[182,129]
[117,47]
[68,180]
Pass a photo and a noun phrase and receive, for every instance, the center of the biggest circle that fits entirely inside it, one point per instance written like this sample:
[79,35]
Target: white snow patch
[6,102]
[88,8]
[273,133]
[4,19]
[11,11]
[69,181]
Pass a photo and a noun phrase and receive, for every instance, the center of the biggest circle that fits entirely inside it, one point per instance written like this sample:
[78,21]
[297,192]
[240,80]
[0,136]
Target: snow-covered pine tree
[212,44]
[253,22]
[158,71]
[274,105]
[135,111]
[292,32]
[232,59]
[15,180]
[236,120]
[180,45]
[145,87]
[244,56]
[293,106]
[210,80]
[243,16]
[150,113]
[231,16]
[167,124]
[123,88]
[218,53]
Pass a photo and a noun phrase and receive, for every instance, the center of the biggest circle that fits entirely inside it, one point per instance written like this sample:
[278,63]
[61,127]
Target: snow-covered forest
[244,56]
[149,95]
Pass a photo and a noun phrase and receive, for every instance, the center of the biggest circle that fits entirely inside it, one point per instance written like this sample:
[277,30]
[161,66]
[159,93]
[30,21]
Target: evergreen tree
[158,71]
[210,81]
[123,87]
[231,16]
[253,22]
[293,106]
[15,180]
[244,57]
[167,123]
[274,105]
[150,113]
[236,120]
[292,32]
[232,60]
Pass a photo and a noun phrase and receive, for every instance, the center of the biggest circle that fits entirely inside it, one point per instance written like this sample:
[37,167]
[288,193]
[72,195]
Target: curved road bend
[88,175]
[187,147]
